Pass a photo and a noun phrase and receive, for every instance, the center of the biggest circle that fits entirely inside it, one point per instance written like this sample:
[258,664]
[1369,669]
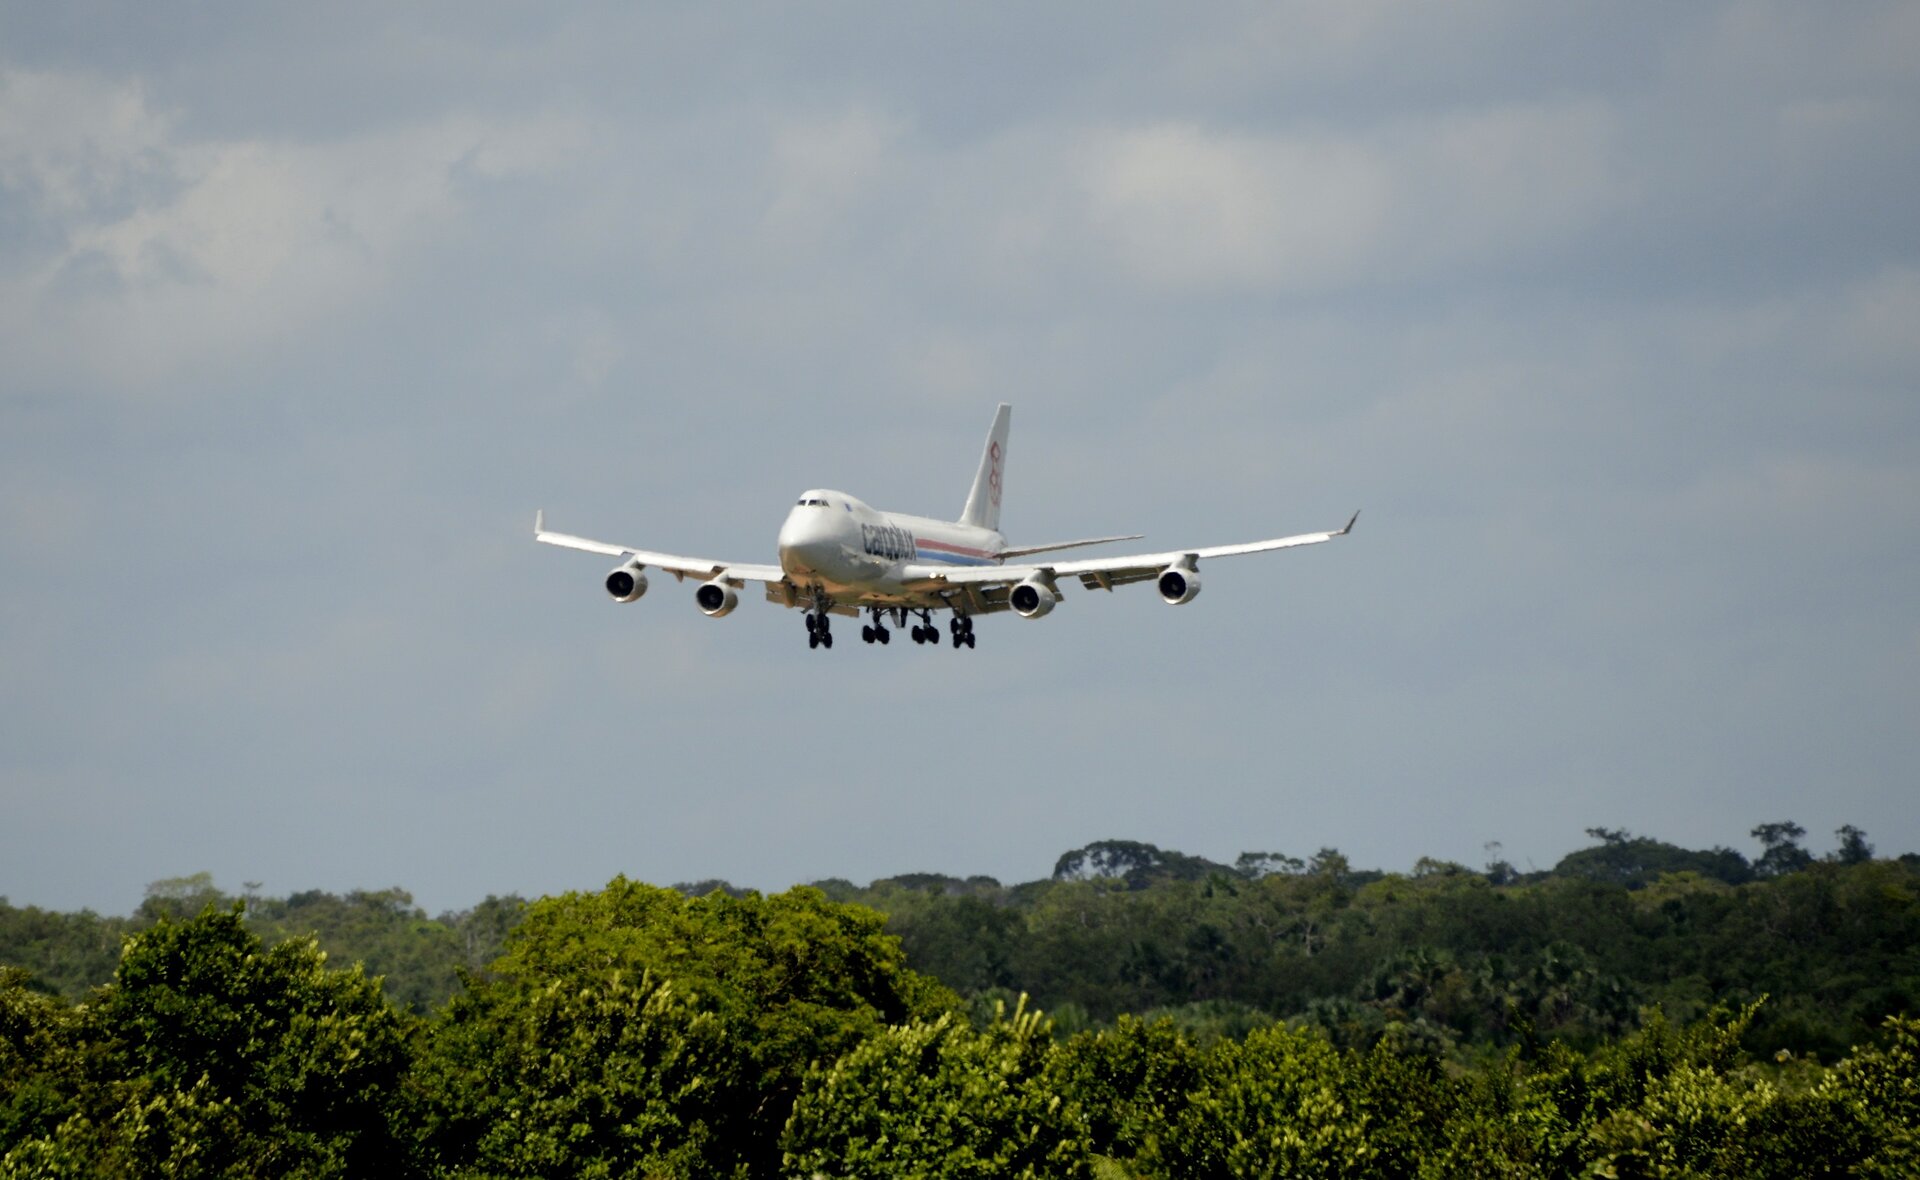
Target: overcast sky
[1607,315]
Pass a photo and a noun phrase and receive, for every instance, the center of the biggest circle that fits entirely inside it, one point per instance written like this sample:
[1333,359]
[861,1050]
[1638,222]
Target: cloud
[822,170]
[162,255]
[1186,208]
[1872,326]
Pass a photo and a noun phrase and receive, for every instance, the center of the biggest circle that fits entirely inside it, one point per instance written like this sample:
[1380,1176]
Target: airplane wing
[1030,550]
[737,573]
[1104,573]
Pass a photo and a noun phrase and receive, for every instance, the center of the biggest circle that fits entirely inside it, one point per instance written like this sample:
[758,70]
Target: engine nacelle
[1178,585]
[716,599]
[1032,599]
[627,583]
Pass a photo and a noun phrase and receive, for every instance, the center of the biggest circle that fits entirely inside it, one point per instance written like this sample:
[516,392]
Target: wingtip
[539,521]
[1350,522]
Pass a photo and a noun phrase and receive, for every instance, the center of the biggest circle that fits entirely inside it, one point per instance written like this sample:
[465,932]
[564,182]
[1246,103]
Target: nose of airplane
[804,541]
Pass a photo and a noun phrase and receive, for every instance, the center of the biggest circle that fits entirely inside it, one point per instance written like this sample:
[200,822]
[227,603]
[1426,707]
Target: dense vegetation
[1639,1010]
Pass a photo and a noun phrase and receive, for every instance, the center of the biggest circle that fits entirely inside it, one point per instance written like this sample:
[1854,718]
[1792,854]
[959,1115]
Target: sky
[1607,317]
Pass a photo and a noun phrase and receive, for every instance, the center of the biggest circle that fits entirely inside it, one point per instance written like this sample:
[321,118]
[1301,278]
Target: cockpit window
[808,503]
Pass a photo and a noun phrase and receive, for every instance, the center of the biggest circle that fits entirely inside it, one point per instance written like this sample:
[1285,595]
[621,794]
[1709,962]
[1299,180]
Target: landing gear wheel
[883,635]
[811,622]
[970,640]
[826,640]
[866,634]
[813,640]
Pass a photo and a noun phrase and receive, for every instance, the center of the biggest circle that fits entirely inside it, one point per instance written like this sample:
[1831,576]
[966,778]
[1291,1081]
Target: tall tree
[1783,853]
[209,1055]
[1854,848]
[607,1005]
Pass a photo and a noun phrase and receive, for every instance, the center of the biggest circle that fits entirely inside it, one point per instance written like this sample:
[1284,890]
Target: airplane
[837,556]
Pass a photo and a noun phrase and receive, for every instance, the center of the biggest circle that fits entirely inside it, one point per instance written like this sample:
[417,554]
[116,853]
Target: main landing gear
[962,628]
[924,631]
[818,632]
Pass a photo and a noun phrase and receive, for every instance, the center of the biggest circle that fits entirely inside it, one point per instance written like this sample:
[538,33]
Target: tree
[1880,1086]
[1139,865]
[1499,870]
[1637,861]
[936,1098]
[614,1074]
[1280,1103]
[39,1061]
[211,1056]
[180,897]
[1783,852]
[382,928]
[1255,865]
[712,1008]
[1130,1081]
[68,954]
[482,931]
[1331,864]
[1854,848]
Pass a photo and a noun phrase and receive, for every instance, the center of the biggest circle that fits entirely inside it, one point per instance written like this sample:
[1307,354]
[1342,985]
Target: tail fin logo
[993,473]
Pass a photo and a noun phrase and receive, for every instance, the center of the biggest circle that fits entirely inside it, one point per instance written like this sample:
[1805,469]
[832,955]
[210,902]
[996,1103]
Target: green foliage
[938,1099]
[1206,1021]
[1781,853]
[1854,848]
[209,1055]
[1281,1103]
[966,942]
[1637,862]
[711,1007]
[1880,1088]
[180,898]
[1570,955]
[420,958]
[1139,865]
[1131,1081]
[1677,1102]
[1444,1024]
[38,1061]
[67,954]
[615,1075]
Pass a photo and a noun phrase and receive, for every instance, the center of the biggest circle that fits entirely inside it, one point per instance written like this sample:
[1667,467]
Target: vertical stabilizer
[983,502]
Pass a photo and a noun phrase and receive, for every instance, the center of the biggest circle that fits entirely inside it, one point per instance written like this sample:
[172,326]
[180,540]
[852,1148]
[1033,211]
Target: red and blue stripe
[951,554]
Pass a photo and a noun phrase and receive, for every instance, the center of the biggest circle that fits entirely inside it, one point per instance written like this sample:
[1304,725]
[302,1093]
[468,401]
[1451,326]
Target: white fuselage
[853,551]
[840,557]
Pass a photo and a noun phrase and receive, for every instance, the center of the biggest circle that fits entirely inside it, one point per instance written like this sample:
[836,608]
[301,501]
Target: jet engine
[627,583]
[716,599]
[1032,598]
[1178,584]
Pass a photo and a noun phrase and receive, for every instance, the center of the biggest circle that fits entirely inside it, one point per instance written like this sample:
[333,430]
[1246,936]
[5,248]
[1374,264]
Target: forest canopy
[1638,1009]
